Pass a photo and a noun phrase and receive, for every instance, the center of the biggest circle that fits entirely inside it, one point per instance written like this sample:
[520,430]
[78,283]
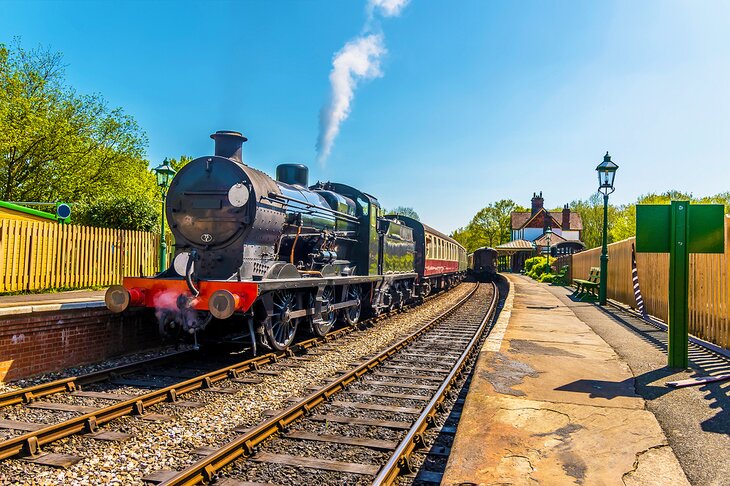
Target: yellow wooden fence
[37,255]
[709,285]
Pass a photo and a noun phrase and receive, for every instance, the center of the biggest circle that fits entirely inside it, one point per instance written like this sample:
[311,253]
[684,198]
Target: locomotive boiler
[275,255]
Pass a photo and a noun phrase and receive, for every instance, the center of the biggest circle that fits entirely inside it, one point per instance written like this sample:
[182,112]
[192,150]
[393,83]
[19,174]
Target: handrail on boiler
[274,196]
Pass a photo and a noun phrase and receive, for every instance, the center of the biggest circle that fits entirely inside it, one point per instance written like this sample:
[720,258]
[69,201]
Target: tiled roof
[516,245]
[554,239]
[520,218]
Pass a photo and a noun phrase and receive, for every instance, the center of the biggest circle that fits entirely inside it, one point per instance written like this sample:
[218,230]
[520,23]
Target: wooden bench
[588,288]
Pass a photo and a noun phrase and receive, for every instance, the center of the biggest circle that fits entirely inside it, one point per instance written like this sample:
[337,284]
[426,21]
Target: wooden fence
[37,255]
[709,285]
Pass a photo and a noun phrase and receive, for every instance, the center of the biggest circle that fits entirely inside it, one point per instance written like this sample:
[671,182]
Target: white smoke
[387,8]
[358,60]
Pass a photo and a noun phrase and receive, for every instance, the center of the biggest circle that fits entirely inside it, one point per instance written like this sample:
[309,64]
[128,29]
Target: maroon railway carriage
[440,261]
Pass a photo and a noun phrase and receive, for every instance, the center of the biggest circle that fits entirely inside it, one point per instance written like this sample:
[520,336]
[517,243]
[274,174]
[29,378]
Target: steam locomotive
[275,255]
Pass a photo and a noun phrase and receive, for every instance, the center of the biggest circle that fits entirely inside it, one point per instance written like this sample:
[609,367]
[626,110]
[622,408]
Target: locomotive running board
[307,282]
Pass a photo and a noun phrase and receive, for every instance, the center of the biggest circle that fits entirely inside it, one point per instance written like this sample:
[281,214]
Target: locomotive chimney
[229,144]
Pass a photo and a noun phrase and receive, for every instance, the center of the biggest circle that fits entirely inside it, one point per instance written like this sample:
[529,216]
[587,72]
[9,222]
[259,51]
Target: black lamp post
[606,174]
[548,234]
[164,174]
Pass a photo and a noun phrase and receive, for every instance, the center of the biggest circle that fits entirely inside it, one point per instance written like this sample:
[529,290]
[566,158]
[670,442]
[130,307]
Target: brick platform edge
[39,342]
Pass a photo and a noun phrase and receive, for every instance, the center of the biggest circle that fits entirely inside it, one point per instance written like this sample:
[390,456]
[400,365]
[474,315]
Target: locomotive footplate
[313,282]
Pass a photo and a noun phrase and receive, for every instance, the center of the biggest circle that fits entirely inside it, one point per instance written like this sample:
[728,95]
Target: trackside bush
[552,278]
[119,212]
[531,262]
[537,266]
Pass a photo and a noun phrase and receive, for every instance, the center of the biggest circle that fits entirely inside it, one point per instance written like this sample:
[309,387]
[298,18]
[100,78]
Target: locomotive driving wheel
[322,323]
[279,327]
[352,314]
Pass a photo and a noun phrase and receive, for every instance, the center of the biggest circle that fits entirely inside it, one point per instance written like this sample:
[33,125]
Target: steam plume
[358,60]
[387,8]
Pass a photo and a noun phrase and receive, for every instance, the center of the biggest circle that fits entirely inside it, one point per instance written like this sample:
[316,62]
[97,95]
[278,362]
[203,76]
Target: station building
[529,234]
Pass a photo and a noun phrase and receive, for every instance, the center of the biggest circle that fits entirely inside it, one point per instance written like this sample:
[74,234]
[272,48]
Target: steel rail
[206,468]
[400,459]
[31,442]
[73,383]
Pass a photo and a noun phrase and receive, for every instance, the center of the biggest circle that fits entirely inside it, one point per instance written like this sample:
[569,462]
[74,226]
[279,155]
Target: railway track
[125,390]
[364,426]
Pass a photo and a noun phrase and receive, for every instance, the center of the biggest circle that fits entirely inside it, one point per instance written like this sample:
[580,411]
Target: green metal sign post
[679,229]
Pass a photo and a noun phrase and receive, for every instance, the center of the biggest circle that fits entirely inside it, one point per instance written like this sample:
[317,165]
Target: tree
[178,164]
[405,211]
[58,145]
[120,212]
[491,226]
[591,213]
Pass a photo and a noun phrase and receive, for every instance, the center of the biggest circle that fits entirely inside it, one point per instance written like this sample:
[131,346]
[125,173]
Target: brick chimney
[537,202]
[566,217]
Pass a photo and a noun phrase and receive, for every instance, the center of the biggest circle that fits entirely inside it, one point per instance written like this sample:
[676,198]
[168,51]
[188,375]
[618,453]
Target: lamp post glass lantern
[164,174]
[606,175]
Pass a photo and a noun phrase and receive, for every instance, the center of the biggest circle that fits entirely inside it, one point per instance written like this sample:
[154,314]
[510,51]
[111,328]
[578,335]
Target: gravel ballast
[169,445]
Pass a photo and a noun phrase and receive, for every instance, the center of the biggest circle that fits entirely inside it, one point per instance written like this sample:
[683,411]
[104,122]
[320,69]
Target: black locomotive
[280,253]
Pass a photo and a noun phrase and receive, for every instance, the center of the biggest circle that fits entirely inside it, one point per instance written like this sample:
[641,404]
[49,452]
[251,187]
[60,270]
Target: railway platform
[42,333]
[28,303]
[54,298]
[552,402]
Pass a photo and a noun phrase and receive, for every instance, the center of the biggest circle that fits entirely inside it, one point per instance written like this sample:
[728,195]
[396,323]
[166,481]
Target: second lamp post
[164,174]
[606,174]
[548,234]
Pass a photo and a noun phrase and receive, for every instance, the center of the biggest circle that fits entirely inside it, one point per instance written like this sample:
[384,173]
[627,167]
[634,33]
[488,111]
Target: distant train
[271,256]
[483,264]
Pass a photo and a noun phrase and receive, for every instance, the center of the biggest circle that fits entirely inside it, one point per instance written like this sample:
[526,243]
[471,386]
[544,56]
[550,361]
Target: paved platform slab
[55,301]
[552,403]
[52,298]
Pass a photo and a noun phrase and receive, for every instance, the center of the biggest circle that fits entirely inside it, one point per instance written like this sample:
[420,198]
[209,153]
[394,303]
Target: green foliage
[622,218]
[404,211]
[537,266]
[491,226]
[552,278]
[119,212]
[531,262]
[178,164]
[56,144]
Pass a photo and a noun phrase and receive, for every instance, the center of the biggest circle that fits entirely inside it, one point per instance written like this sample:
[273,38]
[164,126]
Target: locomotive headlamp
[606,174]
[164,174]
[238,195]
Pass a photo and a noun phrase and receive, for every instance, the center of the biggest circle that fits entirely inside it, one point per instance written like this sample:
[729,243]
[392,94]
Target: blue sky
[476,100]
